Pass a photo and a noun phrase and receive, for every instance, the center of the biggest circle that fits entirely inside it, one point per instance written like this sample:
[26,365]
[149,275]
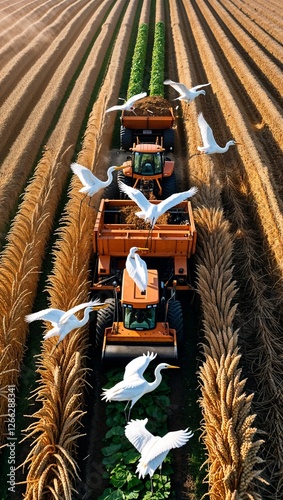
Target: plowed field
[62,64]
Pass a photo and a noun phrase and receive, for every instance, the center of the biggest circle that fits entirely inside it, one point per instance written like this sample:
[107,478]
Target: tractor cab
[139,309]
[147,163]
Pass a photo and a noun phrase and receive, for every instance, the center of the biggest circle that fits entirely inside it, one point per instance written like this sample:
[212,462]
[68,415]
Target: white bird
[90,182]
[129,104]
[138,365]
[137,268]
[149,211]
[153,449]
[186,94]
[133,387]
[210,146]
[64,322]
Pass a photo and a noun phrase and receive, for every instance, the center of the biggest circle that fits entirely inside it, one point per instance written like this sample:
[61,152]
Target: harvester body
[141,320]
[148,133]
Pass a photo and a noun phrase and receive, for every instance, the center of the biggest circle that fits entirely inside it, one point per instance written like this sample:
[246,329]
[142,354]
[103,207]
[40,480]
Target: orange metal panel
[132,295]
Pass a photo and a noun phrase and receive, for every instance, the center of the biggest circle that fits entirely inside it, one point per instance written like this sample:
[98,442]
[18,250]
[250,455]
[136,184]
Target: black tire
[168,139]
[169,186]
[175,319]
[126,138]
[112,192]
[126,180]
[104,319]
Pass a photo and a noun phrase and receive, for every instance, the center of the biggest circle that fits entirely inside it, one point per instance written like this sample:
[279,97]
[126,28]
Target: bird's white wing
[171,440]
[77,308]
[139,364]
[137,270]
[84,174]
[135,98]
[175,199]
[180,87]
[115,108]
[137,434]
[199,86]
[135,195]
[52,315]
[126,389]
[206,132]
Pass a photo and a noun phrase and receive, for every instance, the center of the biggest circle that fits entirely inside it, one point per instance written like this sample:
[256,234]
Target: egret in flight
[153,449]
[64,322]
[150,211]
[91,184]
[137,268]
[187,95]
[129,104]
[133,387]
[210,146]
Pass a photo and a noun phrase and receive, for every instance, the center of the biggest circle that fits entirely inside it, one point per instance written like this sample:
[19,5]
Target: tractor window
[139,319]
[147,163]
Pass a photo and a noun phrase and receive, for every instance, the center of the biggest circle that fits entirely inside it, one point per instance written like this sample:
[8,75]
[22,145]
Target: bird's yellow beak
[99,306]
[140,248]
[238,143]
[119,167]
[172,366]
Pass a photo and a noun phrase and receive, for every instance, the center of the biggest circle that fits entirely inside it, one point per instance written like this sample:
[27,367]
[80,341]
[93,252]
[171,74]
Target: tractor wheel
[126,180]
[111,192]
[175,319]
[168,139]
[169,186]
[104,319]
[126,138]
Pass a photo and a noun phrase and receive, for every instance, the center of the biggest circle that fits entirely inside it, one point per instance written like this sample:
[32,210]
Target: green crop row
[121,458]
[138,62]
[158,56]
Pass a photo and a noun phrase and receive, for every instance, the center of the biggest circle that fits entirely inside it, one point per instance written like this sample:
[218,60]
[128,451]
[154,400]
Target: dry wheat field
[62,64]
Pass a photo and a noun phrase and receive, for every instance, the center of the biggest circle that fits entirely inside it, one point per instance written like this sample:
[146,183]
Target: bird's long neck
[157,380]
[229,143]
[86,316]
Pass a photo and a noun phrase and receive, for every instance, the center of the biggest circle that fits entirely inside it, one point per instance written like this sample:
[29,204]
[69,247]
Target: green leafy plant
[120,458]
[157,68]
[138,62]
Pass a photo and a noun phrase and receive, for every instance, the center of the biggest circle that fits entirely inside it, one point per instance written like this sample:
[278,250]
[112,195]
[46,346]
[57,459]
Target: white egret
[138,365]
[90,182]
[186,94]
[137,268]
[133,387]
[153,449]
[64,322]
[129,104]
[210,146]
[149,211]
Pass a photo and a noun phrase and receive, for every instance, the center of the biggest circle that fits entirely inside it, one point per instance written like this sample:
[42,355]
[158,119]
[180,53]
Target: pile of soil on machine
[155,105]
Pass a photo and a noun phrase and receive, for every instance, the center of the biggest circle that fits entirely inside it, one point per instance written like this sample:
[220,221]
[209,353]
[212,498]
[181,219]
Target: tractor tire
[168,139]
[169,186]
[126,138]
[112,192]
[175,319]
[104,319]
[126,180]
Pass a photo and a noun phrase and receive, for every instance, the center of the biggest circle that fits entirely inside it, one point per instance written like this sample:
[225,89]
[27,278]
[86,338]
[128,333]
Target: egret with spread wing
[186,94]
[149,211]
[153,449]
[64,322]
[210,145]
[129,104]
[133,387]
[90,182]
[137,268]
